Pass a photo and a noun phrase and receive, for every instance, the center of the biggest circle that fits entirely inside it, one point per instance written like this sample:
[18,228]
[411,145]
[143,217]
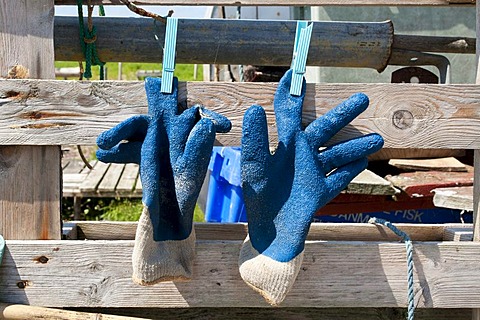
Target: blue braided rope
[409,247]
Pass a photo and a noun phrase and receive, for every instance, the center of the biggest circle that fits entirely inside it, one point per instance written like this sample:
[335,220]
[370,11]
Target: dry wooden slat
[454,198]
[111,178]
[73,167]
[448,164]
[284,3]
[283,313]
[21,312]
[433,116]
[109,230]
[126,184]
[421,183]
[94,178]
[368,182]
[458,234]
[333,274]
[223,41]
[30,176]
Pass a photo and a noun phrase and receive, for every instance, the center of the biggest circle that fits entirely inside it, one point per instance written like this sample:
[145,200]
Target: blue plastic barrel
[225,198]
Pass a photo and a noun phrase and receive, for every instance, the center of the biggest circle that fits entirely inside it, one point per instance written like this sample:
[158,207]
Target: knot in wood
[402,119]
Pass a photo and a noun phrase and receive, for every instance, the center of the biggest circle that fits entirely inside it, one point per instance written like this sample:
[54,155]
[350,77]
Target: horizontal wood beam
[286,313]
[283,3]
[220,41]
[109,230]
[46,112]
[96,274]
[19,311]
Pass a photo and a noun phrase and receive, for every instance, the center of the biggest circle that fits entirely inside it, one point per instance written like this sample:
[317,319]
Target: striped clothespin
[2,248]
[300,52]
[169,52]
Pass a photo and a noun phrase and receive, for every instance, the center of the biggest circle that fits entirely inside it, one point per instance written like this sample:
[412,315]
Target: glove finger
[348,151]
[199,144]
[122,153]
[288,109]
[307,172]
[340,178]
[133,129]
[181,130]
[255,147]
[161,104]
[324,128]
[198,150]
[220,122]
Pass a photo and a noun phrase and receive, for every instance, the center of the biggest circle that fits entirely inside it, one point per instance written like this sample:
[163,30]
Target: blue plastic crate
[225,198]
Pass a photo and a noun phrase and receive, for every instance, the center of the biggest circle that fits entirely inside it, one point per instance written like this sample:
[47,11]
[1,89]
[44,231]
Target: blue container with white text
[225,198]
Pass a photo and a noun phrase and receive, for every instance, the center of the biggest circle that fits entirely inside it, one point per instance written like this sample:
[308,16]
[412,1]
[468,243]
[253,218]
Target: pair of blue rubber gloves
[282,191]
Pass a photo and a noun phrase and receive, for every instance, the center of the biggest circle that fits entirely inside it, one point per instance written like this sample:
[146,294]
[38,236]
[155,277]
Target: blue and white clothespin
[169,51]
[2,247]
[300,52]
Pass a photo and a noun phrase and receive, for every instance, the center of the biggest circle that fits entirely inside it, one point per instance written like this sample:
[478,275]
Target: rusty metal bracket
[414,58]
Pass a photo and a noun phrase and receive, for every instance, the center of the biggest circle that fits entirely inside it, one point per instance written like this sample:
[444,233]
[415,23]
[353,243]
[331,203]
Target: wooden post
[30,176]
[476,186]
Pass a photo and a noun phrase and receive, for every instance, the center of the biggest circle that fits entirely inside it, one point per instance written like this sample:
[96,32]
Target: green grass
[184,72]
[124,209]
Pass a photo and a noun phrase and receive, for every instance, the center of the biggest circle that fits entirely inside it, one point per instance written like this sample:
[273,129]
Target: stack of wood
[420,192]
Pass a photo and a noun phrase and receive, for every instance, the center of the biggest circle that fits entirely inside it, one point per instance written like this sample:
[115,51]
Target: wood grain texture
[458,234]
[20,312]
[111,178]
[448,164]
[446,276]
[284,3]
[221,41]
[454,198]
[127,181]
[368,182]
[109,230]
[94,178]
[75,112]
[421,183]
[283,313]
[30,176]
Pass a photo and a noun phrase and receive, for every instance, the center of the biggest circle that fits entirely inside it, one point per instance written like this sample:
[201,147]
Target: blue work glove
[173,151]
[282,191]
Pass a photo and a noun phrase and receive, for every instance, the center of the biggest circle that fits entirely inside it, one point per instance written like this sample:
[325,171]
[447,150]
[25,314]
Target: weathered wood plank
[454,198]
[368,182]
[448,164]
[94,177]
[333,275]
[127,181]
[458,234]
[286,313]
[30,176]
[73,112]
[109,230]
[20,312]
[73,166]
[222,41]
[111,178]
[284,3]
[421,183]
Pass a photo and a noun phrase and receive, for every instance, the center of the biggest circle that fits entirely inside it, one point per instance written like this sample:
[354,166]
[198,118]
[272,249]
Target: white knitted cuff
[156,261]
[272,279]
